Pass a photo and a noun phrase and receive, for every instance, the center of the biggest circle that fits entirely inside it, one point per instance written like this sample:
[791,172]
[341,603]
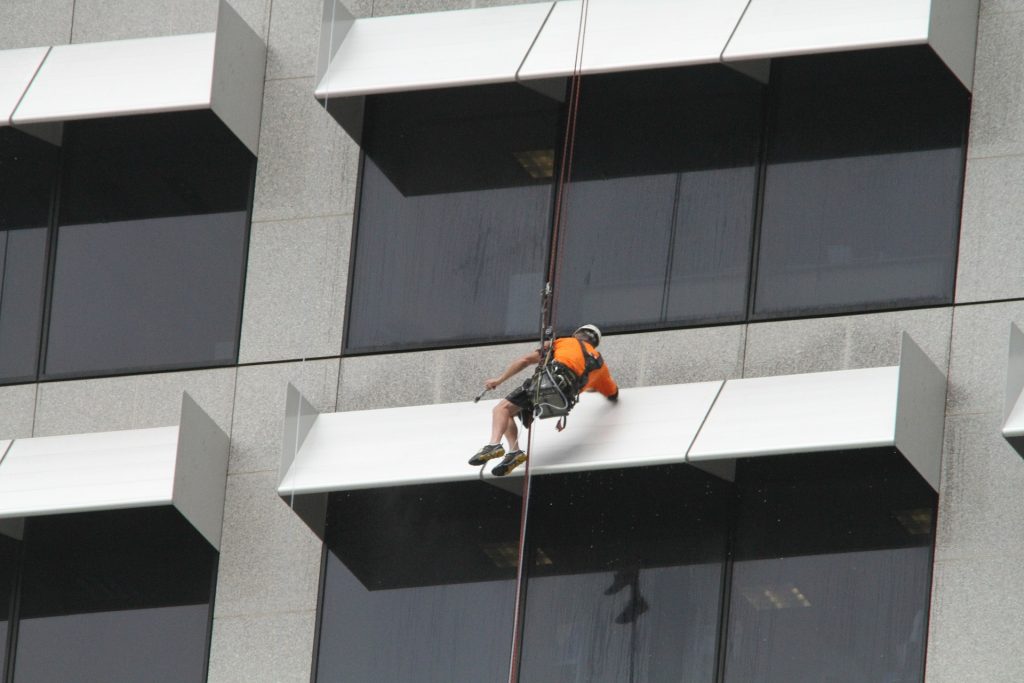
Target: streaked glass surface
[453,217]
[419,584]
[832,570]
[8,562]
[28,170]
[863,184]
[660,207]
[122,595]
[151,246]
[625,575]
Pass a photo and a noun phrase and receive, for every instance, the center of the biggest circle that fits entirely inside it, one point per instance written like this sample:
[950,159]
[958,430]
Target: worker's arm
[515,368]
[601,380]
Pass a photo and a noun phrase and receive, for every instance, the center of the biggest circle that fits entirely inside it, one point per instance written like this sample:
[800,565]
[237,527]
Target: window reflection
[453,217]
[28,169]
[419,584]
[863,184]
[660,208]
[625,576]
[8,560]
[832,570]
[150,249]
[114,596]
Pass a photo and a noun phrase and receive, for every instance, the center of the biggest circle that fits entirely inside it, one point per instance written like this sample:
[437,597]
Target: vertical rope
[547,318]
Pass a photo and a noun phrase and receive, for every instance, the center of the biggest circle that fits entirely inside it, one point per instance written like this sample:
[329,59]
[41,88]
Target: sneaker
[511,461]
[488,452]
[623,578]
[634,609]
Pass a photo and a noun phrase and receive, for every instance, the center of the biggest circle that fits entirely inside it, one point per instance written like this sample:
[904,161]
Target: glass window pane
[863,185]
[822,542]
[8,567]
[151,245]
[419,584]
[28,168]
[625,576]
[659,214]
[454,216]
[114,596]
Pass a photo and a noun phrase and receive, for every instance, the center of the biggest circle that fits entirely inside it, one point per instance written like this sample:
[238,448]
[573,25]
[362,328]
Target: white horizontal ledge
[431,443]
[17,67]
[220,71]
[702,424]
[626,36]
[784,28]
[900,406]
[537,41]
[432,50]
[184,466]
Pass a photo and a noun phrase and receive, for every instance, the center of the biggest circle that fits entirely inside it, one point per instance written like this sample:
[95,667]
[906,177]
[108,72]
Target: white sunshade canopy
[784,28]
[539,40]
[433,50]
[184,466]
[639,34]
[702,424]
[17,67]
[431,443]
[221,71]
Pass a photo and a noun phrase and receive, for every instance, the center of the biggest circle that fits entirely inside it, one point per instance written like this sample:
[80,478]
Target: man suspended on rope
[575,366]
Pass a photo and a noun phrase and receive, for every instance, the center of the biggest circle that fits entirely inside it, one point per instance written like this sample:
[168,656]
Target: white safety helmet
[592,332]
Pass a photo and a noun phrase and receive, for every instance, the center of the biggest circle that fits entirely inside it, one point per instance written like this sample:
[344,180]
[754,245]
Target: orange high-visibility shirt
[567,352]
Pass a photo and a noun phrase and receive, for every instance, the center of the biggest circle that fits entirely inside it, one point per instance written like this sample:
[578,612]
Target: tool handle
[480,395]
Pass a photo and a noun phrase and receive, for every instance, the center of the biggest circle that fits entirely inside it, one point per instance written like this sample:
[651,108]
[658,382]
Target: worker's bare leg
[512,435]
[502,422]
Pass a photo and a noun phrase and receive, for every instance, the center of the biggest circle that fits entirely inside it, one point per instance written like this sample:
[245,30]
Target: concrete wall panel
[980,507]
[293,40]
[134,402]
[307,164]
[978,354]
[100,20]
[976,620]
[844,342]
[260,409]
[32,23]
[17,411]
[295,289]
[991,249]
[997,117]
[269,559]
[264,648]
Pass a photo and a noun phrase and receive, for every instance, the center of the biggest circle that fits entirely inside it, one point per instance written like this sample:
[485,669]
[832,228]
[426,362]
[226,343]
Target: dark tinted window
[8,562]
[419,584]
[151,245]
[453,217]
[660,209]
[863,185]
[832,569]
[28,168]
[114,596]
[625,576]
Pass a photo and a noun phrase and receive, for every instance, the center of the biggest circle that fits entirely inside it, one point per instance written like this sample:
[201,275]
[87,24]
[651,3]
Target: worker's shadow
[637,605]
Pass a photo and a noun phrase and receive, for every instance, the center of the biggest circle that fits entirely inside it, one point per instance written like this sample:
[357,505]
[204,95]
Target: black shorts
[522,397]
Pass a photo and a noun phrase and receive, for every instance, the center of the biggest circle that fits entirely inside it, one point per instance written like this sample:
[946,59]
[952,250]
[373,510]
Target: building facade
[278,292]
